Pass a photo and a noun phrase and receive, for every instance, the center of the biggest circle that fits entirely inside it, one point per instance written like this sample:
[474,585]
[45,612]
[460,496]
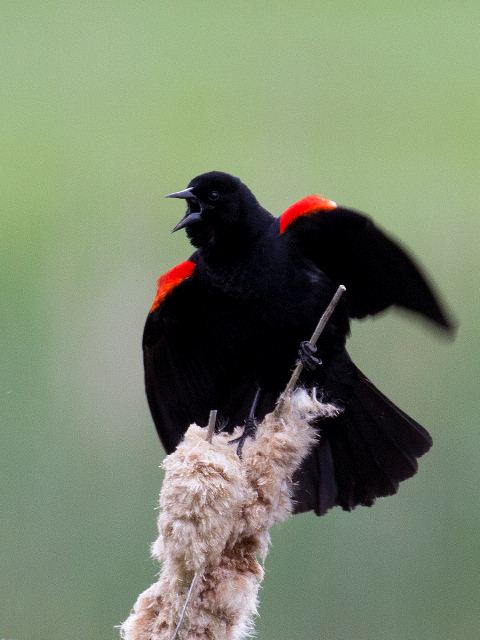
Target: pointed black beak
[190,217]
[185,194]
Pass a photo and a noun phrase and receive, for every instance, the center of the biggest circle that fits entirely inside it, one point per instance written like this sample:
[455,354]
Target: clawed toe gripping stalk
[306,356]
[249,431]
[250,425]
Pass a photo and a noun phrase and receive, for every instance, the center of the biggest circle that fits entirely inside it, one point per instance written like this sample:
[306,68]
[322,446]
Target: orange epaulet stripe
[168,281]
[304,207]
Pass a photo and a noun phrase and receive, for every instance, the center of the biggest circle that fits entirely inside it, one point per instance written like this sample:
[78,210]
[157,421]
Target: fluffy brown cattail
[216,512]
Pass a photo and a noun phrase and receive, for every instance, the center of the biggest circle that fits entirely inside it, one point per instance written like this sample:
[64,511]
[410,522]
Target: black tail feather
[363,454]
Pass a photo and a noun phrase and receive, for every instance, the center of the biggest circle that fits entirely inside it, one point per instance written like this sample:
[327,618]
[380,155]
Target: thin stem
[212,421]
[184,608]
[322,323]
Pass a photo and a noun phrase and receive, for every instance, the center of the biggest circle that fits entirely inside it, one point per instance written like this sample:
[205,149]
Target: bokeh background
[107,106]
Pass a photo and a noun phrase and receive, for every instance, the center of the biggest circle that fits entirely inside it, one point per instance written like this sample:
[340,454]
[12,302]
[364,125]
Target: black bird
[225,326]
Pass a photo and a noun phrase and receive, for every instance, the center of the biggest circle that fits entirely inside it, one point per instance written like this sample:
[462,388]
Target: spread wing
[189,357]
[177,378]
[352,250]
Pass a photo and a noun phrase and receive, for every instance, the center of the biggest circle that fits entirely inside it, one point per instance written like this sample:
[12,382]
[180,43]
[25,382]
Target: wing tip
[447,326]
[445,322]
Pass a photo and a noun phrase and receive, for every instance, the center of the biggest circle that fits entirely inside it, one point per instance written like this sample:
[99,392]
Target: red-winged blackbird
[225,326]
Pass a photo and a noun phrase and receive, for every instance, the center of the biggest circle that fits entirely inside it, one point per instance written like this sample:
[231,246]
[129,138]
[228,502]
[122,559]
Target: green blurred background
[105,107]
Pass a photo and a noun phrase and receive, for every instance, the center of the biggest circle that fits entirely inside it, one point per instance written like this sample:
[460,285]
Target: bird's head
[219,207]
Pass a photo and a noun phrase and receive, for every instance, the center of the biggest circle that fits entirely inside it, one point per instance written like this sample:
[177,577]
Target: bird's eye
[213,195]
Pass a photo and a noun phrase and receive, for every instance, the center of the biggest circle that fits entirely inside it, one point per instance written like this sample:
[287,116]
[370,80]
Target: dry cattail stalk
[216,512]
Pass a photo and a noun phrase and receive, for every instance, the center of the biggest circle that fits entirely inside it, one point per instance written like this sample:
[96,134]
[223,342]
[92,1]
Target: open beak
[191,216]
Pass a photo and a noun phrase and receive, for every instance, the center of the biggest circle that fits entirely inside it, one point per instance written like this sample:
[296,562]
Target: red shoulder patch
[304,207]
[168,281]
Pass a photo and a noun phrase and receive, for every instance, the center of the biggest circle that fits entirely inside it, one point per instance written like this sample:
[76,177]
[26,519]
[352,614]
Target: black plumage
[230,320]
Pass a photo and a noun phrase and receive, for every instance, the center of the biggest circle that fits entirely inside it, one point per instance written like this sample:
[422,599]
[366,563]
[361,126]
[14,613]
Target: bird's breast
[272,290]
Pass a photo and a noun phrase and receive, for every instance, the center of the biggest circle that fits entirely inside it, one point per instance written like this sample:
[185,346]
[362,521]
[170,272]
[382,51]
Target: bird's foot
[249,431]
[306,356]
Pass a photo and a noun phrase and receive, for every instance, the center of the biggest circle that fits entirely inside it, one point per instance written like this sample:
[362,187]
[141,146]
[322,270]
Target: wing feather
[196,358]
[377,271]
[178,376]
